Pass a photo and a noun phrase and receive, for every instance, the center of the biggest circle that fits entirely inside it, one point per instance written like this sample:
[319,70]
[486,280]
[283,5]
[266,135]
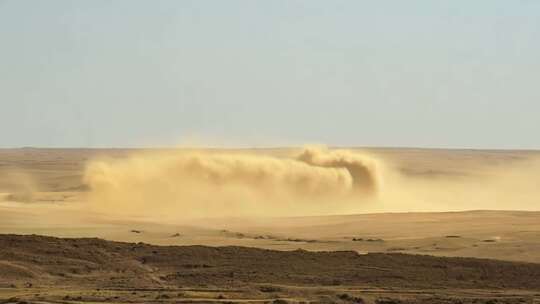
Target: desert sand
[445,203]
[43,191]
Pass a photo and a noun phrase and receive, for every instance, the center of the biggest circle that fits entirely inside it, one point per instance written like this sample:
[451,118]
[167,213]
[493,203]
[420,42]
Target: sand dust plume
[20,186]
[196,184]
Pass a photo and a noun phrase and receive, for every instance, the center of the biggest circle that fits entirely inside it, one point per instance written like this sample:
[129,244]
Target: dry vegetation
[101,270]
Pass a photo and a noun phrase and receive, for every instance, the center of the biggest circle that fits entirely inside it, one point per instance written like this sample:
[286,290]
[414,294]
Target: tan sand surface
[43,192]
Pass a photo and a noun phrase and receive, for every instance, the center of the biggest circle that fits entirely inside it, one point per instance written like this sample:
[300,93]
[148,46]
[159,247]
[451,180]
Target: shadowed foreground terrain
[47,269]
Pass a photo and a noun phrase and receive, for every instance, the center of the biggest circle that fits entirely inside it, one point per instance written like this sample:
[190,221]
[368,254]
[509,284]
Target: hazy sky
[370,73]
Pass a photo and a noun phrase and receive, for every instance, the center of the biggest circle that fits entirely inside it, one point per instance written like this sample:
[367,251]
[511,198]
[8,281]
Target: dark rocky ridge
[97,263]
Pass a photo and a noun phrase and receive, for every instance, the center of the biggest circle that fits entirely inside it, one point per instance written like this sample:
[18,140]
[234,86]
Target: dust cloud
[210,183]
[472,182]
[20,186]
[184,184]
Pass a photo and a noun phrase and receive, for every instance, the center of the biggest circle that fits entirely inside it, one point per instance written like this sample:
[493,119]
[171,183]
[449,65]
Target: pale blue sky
[368,73]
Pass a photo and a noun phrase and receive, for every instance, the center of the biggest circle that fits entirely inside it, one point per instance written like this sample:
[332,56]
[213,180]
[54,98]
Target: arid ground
[473,210]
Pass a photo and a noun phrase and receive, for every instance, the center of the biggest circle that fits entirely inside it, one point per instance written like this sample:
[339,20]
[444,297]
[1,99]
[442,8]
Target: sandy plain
[456,203]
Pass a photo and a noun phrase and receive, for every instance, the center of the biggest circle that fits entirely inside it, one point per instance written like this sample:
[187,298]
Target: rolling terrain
[431,236]
[43,192]
[41,269]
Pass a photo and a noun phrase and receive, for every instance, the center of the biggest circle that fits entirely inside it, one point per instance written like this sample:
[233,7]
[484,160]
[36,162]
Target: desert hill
[34,263]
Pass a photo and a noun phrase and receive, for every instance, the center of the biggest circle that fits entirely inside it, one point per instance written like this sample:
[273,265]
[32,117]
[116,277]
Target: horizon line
[284,147]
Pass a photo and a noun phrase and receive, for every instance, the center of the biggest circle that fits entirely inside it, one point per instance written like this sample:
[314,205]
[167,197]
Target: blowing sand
[366,200]
[194,184]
